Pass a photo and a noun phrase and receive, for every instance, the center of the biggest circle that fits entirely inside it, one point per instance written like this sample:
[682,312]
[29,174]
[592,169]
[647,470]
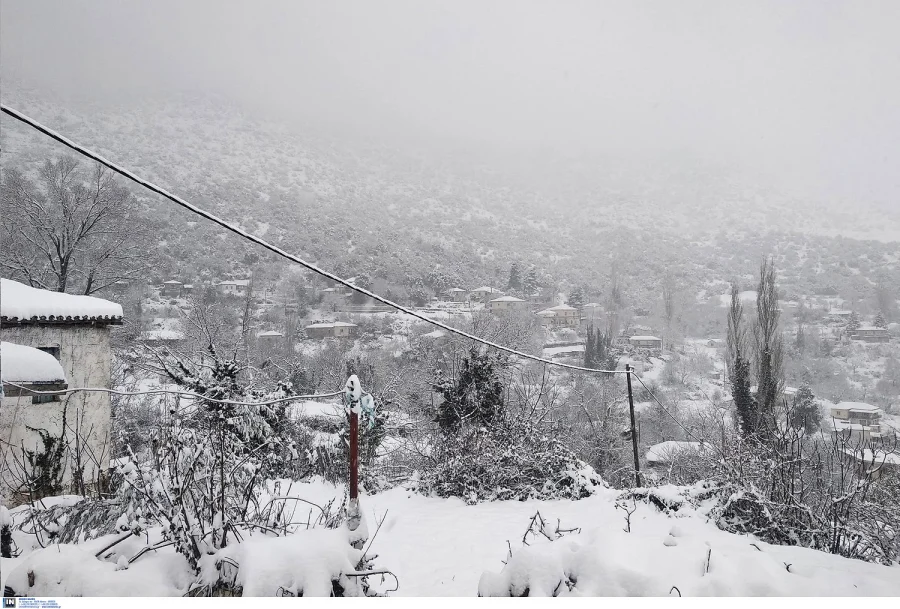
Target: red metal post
[354,452]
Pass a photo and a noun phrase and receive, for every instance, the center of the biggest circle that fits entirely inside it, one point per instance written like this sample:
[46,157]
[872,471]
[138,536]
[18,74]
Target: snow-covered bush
[507,459]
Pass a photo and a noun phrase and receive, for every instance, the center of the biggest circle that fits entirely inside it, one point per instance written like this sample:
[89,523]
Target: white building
[856,420]
[75,331]
[233,287]
[560,316]
[507,304]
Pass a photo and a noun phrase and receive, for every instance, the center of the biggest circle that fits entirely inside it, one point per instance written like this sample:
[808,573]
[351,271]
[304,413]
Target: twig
[675,588]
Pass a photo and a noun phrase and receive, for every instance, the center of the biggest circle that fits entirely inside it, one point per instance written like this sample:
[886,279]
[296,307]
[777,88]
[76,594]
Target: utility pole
[634,443]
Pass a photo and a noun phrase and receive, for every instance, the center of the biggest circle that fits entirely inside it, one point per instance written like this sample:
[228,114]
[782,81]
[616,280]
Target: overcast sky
[810,90]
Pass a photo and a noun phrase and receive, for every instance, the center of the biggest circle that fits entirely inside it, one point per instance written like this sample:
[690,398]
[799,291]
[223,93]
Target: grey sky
[809,90]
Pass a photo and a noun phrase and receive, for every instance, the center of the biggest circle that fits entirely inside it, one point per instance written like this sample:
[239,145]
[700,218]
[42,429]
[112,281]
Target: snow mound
[19,302]
[21,364]
[69,570]
[304,564]
[610,562]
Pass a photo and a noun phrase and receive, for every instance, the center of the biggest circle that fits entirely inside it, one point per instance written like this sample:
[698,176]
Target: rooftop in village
[269,333]
[332,324]
[665,451]
[27,365]
[243,282]
[645,337]
[507,299]
[857,407]
[562,307]
[22,304]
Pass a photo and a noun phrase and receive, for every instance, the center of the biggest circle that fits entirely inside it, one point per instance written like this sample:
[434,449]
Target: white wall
[86,359]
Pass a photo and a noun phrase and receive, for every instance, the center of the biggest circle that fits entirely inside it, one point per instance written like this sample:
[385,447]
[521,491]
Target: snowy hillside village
[125,484]
[443,299]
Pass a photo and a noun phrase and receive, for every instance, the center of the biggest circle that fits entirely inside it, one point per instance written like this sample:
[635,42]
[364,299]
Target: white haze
[805,92]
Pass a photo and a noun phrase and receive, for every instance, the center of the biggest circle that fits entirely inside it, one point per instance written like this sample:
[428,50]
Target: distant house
[871,334]
[332,296]
[75,331]
[560,316]
[270,339]
[161,337]
[334,329]
[457,295]
[666,454]
[507,304]
[171,289]
[873,463]
[645,342]
[856,420]
[484,294]
[233,287]
[839,315]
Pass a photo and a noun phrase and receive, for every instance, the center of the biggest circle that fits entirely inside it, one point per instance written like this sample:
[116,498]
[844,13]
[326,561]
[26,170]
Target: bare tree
[70,232]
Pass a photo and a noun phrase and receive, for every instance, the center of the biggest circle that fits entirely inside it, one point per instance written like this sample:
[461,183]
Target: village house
[24,373]
[645,342]
[560,316]
[75,331]
[171,289]
[233,287]
[667,455]
[333,296]
[871,334]
[334,329]
[269,339]
[839,315]
[507,304]
[484,294]
[457,295]
[873,463]
[591,314]
[856,420]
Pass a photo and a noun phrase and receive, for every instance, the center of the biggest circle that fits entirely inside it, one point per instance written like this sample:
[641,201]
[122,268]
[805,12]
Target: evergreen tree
[515,277]
[854,323]
[576,297]
[805,411]
[768,343]
[589,347]
[800,339]
[530,282]
[475,396]
[880,321]
[739,365]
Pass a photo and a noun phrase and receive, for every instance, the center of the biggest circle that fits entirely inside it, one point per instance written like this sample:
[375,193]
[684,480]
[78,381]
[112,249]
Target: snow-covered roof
[592,305]
[485,288]
[877,458]
[239,282]
[840,312]
[870,329]
[172,282]
[857,406]
[644,338]
[507,299]
[332,324]
[664,451]
[562,307]
[546,313]
[435,334]
[162,334]
[456,290]
[21,364]
[269,333]
[20,303]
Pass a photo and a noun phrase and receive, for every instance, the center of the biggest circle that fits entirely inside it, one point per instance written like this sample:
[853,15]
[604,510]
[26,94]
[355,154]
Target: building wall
[17,415]
[85,355]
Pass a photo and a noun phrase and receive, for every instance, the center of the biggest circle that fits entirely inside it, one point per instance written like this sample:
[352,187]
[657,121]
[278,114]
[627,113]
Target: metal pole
[634,442]
[354,453]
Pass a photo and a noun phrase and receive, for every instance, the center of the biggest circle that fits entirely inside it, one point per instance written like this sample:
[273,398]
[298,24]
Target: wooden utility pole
[634,443]
[354,453]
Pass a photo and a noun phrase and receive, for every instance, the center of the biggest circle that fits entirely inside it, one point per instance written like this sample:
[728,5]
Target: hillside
[367,208]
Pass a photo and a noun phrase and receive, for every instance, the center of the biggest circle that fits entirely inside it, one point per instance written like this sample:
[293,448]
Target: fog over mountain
[802,97]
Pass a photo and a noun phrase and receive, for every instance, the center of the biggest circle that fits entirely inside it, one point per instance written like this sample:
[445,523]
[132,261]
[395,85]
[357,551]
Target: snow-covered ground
[442,547]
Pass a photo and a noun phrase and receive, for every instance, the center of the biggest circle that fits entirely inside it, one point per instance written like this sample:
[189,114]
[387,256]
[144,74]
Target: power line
[277,250]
